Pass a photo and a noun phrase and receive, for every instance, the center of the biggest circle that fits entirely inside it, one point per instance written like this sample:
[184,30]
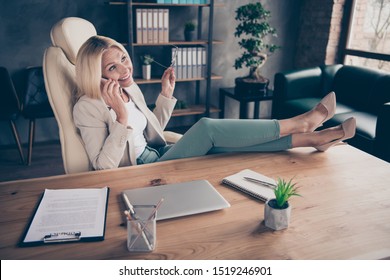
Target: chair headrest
[70,33]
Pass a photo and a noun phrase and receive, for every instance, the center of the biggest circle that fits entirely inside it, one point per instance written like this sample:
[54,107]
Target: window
[368,42]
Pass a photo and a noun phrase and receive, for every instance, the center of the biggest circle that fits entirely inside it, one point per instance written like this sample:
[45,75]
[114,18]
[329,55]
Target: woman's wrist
[165,94]
[122,120]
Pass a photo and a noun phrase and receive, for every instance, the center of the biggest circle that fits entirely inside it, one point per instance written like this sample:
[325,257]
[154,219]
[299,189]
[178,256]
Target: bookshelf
[132,45]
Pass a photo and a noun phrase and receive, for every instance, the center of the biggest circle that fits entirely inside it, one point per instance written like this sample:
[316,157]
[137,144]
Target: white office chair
[59,60]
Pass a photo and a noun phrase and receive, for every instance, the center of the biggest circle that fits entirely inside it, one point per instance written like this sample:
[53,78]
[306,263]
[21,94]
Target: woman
[118,129]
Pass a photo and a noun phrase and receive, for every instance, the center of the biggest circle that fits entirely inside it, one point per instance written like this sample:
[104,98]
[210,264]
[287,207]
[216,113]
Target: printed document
[67,211]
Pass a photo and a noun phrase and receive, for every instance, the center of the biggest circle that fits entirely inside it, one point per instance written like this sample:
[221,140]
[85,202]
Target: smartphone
[102,83]
[104,80]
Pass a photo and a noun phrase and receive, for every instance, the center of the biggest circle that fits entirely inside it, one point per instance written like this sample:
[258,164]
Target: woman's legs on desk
[224,135]
[217,136]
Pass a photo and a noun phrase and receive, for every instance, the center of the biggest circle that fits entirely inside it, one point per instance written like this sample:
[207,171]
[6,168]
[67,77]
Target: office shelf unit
[133,46]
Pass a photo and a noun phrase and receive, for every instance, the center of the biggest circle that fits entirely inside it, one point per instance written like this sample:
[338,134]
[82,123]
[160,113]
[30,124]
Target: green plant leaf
[146,59]
[255,31]
[189,26]
[283,191]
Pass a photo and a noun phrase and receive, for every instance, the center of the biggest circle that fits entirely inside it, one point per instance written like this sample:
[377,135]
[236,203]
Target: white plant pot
[146,72]
[276,219]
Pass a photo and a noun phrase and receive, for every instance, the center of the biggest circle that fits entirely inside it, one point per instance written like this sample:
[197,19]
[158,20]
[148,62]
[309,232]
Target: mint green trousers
[210,136]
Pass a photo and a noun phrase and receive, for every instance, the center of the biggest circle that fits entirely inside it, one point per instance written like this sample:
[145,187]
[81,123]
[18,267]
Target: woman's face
[116,65]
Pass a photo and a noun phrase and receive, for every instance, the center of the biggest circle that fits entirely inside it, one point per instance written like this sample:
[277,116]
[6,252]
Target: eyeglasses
[174,56]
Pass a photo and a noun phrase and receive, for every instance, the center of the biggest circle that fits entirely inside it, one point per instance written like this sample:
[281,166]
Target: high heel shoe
[349,129]
[329,102]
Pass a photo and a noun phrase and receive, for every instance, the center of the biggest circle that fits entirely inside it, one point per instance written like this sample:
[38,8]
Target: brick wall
[320,32]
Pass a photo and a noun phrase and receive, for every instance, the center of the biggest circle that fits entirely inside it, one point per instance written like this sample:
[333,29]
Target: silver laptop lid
[180,199]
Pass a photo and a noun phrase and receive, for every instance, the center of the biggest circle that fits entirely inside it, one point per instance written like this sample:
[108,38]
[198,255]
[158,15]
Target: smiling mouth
[125,78]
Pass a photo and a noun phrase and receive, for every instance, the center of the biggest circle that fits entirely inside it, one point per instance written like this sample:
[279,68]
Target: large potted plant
[255,34]
[277,211]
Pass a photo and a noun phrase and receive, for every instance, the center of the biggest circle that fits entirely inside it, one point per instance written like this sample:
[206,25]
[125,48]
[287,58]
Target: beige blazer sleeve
[105,140]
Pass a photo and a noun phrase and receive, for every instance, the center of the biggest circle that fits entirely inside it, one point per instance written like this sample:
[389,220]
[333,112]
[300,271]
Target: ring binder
[62,237]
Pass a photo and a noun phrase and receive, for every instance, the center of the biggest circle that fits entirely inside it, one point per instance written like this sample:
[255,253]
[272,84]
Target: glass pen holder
[141,229]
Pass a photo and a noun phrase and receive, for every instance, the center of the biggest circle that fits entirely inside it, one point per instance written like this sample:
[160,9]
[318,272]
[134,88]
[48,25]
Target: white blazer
[108,143]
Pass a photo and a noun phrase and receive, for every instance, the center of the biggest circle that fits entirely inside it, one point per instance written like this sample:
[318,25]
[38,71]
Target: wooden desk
[344,212]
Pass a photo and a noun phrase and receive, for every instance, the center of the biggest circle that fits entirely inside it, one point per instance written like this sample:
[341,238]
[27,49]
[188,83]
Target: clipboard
[68,215]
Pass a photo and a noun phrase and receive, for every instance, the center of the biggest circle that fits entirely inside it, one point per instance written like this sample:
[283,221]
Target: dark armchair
[36,103]
[10,106]
[361,92]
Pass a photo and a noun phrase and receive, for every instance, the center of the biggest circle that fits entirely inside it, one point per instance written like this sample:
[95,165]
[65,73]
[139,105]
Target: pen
[155,209]
[131,214]
[128,204]
[147,221]
[128,216]
[266,184]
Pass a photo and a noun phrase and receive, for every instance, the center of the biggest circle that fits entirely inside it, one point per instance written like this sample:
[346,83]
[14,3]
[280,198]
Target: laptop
[181,199]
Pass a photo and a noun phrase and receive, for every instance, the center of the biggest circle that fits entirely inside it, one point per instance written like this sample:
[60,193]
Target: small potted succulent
[146,59]
[189,31]
[277,211]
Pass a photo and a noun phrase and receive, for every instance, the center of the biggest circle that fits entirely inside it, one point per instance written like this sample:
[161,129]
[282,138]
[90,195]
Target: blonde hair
[89,65]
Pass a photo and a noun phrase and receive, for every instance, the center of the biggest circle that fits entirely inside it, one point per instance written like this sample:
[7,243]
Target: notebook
[180,199]
[256,190]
